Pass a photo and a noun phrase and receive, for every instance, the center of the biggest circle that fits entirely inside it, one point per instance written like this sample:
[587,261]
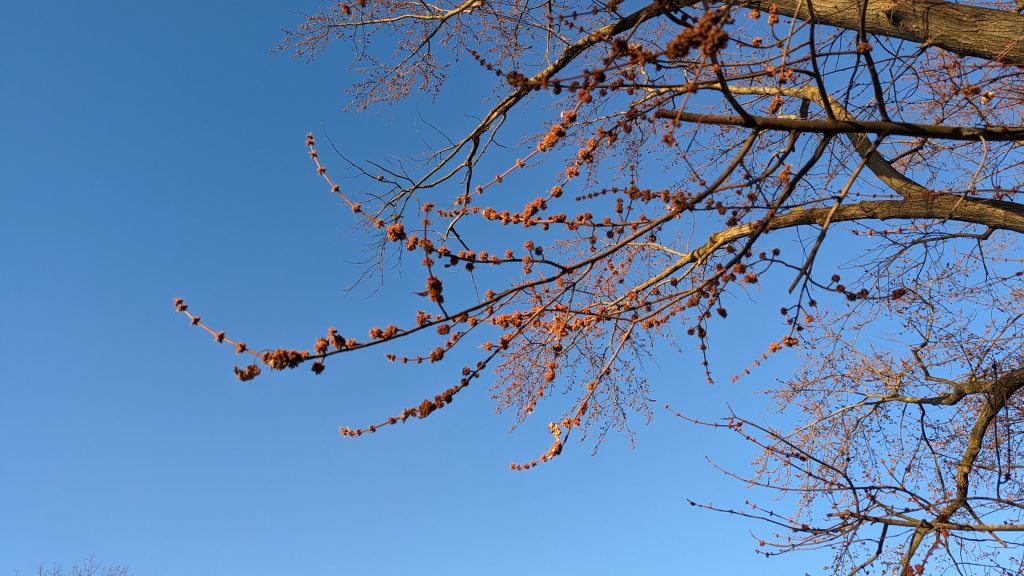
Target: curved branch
[996,214]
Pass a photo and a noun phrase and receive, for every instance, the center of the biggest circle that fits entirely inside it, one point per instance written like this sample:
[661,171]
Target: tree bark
[995,214]
[994,35]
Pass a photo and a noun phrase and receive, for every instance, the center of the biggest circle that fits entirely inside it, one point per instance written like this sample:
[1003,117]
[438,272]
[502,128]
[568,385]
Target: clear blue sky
[152,150]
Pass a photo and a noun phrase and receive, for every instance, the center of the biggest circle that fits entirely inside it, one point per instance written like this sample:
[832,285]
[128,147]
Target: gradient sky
[152,150]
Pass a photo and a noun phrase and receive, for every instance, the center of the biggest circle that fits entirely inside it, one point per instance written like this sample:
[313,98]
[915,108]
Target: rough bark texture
[995,214]
[965,30]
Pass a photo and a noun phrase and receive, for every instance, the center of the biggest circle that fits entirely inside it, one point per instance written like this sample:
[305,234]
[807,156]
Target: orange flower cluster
[434,289]
[248,373]
[554,450]
[280,359]
[707,34]
[557,131]
[396,232]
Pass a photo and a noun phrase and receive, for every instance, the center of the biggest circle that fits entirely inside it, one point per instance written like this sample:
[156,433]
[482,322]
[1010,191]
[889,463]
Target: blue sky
[155,150]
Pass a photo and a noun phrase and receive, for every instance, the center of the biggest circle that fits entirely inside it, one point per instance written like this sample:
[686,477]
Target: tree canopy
[861,157]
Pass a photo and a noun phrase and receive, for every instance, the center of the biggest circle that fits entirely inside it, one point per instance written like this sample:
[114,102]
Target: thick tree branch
[965,30]
[996,214]
[1000,391]
[887,521]
[823,126]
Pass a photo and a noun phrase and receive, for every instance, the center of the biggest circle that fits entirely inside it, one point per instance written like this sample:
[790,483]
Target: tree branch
[824,126]
[996,214]
[984,33]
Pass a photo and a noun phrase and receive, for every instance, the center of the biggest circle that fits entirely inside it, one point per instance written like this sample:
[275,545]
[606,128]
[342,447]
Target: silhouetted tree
[89,568]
